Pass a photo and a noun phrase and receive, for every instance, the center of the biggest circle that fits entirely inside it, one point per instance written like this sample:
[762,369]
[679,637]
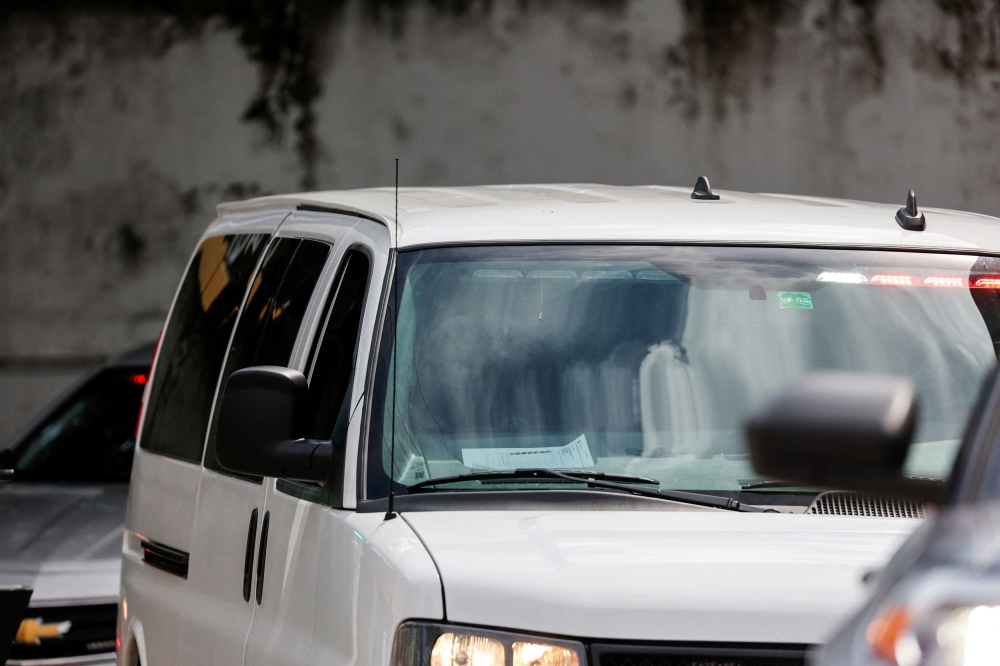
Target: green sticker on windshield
[795,300]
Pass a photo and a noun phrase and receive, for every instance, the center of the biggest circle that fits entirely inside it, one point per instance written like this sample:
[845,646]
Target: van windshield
[647,360]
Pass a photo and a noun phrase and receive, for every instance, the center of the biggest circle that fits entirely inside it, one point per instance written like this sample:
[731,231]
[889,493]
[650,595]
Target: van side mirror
[262,419]
[842,430]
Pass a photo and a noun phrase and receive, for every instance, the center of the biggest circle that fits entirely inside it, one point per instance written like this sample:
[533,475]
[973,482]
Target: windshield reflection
[647,360]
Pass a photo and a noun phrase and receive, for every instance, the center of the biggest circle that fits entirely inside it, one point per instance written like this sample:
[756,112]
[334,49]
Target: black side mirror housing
[841,430]
[262,419]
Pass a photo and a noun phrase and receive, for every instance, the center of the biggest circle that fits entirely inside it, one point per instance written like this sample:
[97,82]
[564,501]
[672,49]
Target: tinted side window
[90,435]
[194,344]
[331,369]
[273,314]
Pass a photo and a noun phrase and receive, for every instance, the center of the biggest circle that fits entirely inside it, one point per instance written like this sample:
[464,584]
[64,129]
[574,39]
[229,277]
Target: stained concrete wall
[121,128]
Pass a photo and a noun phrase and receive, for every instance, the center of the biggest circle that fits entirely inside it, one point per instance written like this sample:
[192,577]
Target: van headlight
[431,644]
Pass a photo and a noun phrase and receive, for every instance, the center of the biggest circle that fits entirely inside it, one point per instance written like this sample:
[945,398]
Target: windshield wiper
[750,484]
[594,480]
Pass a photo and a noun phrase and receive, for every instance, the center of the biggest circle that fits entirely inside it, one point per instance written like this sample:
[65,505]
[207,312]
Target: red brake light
[988,283]
[889,279]
[944,281]
[139,379]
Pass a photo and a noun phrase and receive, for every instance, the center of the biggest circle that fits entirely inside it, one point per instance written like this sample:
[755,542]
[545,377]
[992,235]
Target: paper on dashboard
[575,455]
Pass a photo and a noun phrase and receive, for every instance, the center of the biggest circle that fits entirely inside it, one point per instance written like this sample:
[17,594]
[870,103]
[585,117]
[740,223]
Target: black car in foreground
[937,602]
[63,513]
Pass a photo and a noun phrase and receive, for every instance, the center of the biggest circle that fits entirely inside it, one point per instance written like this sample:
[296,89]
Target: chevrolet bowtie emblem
[34,629]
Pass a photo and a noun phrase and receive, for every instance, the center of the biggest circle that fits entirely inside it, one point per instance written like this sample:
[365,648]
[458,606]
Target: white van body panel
[654,214]
[338,583]
[166,522]
[214,617]
[164,512]
[657,575]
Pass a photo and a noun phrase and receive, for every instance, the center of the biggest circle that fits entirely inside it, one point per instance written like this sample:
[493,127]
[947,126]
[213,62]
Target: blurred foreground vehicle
[62,516]
[937,602]
[505,428]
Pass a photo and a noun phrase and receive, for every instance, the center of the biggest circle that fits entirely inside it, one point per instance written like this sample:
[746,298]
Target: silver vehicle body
[63,539]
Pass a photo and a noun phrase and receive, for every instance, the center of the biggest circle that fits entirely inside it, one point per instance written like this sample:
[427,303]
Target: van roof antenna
[389,512]
[703,191]
[909,216]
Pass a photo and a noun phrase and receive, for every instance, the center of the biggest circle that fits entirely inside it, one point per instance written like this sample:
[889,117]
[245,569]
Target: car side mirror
[842,430]
[262,419]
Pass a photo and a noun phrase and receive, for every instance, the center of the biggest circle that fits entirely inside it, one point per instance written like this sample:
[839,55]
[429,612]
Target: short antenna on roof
[703,191]
[389,512]
[909,216]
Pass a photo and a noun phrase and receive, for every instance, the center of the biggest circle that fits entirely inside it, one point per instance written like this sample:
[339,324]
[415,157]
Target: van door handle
[261,555]
[248,560]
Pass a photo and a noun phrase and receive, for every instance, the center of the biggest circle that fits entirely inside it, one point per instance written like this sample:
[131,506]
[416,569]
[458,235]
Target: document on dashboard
[575,455]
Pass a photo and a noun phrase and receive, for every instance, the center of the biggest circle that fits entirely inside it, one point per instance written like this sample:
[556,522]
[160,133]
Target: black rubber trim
[316,208]
[972,252]
[366,415]
[248,557]
[165,558]
[700,652]
[525,500]
[261,556]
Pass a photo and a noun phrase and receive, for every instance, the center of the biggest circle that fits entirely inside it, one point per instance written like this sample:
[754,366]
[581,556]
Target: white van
[557,421]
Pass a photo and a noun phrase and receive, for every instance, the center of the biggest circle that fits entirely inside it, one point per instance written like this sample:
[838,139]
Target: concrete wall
[121,130]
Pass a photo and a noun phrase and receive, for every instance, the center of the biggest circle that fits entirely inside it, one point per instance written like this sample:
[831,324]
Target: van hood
[663,576]
[63,540]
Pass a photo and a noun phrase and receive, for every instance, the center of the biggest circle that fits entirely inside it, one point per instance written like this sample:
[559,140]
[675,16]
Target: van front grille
[843,503]
[698,655]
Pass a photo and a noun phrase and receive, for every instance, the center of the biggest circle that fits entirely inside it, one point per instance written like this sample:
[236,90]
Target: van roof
[653,213]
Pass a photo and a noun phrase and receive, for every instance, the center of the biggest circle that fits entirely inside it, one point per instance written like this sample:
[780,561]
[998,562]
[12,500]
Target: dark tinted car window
[331,368]
[275,307]
[90,437]
[194,344]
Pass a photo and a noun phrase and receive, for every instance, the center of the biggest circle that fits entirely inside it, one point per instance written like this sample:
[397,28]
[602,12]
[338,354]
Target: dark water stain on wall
[717,35]
[727,45]
[977,47]
[285,38]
